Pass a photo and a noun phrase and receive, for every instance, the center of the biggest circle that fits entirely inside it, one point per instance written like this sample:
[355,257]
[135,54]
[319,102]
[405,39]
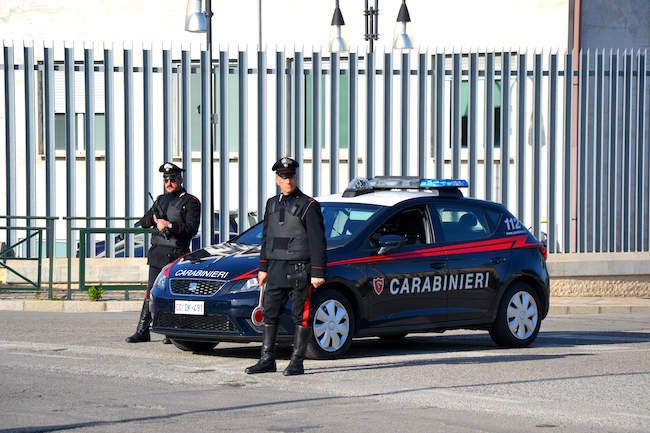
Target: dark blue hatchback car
[405,255]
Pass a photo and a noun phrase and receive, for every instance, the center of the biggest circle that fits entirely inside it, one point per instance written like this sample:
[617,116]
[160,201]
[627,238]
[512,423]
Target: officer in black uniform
[175,217]
[292,263]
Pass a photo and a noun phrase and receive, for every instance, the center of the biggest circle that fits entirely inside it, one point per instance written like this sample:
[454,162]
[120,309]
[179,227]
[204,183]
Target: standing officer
[292,263]
[175,217]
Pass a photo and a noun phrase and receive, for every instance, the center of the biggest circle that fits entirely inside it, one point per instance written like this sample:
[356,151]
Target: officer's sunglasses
[172,179]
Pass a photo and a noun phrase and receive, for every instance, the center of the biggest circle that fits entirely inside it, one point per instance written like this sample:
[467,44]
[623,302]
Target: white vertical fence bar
[353,118]
[224,151]
[422,98]
[110,148]
[129,145]
[489,126]
[30,143]
[90,185]
[49,141]
[70,141]
[147,137]
[335,124]
[262,140]
[242,139]
[643,165]
[316,73]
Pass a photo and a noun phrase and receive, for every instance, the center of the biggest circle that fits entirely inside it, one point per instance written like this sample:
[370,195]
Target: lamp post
[338,40]
[402,39]
[403,34]
[372,25]
[199,20]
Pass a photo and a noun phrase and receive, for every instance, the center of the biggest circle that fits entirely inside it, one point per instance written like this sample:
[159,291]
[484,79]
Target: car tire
[518,319]
[194,346]
[333,325]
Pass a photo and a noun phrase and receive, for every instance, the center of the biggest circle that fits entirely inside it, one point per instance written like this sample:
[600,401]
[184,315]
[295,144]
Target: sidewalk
[114,301]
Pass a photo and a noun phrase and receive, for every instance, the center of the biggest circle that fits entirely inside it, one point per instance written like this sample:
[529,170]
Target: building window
[60,132]
[496,107]
[196,110]
[344,114]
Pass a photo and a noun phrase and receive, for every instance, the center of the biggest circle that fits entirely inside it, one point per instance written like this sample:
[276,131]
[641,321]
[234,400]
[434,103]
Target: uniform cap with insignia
[170,170]
[285,167]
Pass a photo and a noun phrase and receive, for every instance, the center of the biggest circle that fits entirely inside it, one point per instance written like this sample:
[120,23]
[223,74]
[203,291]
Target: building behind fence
[560,138]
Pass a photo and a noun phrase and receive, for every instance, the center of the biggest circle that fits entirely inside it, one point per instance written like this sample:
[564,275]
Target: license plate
[190,307]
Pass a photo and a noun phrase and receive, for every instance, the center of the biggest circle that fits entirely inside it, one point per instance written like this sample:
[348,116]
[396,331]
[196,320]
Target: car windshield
[342,221]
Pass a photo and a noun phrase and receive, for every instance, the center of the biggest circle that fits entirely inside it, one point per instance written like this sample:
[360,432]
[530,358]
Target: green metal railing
[35,234]
[32,232]
[83,232]
[82,259]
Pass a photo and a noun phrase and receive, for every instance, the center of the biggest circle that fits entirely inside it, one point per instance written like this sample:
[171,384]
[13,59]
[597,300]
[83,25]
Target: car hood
[223,262]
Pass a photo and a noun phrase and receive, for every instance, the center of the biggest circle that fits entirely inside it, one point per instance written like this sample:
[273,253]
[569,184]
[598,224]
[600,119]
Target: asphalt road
[74,372]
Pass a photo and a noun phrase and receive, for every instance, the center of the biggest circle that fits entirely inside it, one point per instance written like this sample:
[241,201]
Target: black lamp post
[371,16]
[338,40]
[199,20]
[402,39]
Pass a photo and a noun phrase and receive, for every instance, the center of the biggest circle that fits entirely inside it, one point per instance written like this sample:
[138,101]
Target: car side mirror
[388,243]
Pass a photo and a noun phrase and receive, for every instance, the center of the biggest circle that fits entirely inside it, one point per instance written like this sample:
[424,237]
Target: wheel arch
[348,292]
[537,285]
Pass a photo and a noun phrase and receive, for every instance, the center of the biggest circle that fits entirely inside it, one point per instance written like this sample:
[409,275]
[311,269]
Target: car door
[404,291]
[476,264]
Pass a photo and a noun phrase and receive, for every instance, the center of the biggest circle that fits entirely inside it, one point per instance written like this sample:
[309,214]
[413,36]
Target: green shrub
[95,293]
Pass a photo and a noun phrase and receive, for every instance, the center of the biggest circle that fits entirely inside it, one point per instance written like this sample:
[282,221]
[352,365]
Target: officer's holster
[298,275]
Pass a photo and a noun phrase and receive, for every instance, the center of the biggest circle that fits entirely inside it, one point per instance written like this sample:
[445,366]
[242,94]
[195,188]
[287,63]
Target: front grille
[214,322]
[195,287]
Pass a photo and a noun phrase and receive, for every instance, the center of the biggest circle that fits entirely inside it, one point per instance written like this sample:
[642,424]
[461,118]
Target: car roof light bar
[443,183]
[358,186]
[448,187]
[395,182]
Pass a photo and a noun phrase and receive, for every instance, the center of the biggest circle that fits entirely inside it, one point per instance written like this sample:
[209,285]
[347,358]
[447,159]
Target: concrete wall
[600,274]
[620,24]
[588,274]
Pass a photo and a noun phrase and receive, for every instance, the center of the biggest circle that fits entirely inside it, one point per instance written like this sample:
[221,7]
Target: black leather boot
[266,364]
[142,332]
[300,340]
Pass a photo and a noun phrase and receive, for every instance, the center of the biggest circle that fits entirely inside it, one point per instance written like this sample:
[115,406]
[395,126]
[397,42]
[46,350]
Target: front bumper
[223,319]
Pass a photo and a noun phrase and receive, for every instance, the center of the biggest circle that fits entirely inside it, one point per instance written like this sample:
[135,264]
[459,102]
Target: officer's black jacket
[182,231]
[313,222]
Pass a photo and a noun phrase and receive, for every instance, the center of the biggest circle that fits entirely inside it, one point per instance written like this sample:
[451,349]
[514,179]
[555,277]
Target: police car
[405,255]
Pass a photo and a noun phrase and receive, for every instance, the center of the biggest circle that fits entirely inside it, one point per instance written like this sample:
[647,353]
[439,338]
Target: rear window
[461,222]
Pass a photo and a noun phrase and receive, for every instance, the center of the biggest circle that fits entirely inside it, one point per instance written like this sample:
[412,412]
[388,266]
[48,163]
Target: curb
[558,310]
[68,306]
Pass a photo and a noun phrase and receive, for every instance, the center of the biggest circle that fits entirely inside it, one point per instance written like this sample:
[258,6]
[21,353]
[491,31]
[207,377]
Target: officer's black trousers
[275,299]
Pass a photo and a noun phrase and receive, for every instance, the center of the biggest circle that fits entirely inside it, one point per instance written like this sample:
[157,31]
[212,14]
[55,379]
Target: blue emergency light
[443,183]
[360,186]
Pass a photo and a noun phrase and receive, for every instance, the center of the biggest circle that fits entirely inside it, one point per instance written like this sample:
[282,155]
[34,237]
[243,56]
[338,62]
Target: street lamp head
[195,19]
[338,39]
[403,36]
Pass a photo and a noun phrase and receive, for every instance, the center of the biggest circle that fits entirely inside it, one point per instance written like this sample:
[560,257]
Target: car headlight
[250,285]
[160,282]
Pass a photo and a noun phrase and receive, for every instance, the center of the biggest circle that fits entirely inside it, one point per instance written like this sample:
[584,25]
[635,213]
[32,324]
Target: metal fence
[560,139]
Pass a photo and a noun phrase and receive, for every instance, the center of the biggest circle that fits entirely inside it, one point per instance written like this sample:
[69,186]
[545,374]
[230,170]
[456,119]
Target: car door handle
[437,265]
[498,260]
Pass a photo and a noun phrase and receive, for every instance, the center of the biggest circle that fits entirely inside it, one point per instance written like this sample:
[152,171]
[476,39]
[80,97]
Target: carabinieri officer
[175,217]
[292,263]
